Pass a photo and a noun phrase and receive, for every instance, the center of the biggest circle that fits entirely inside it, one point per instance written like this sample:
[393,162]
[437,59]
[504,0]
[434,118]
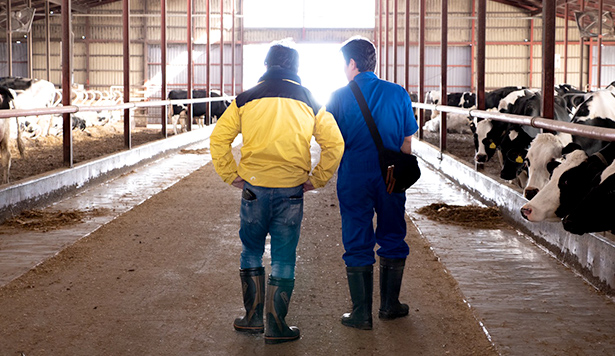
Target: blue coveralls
[360,187]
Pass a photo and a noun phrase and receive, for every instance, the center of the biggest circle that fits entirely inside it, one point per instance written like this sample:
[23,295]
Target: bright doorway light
[320,67]
[309,13]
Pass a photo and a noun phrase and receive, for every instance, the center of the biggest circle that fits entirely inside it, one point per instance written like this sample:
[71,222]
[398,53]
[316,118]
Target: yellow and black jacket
[277,119]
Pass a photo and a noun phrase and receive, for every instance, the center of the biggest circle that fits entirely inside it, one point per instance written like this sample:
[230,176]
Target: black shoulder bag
[399,170]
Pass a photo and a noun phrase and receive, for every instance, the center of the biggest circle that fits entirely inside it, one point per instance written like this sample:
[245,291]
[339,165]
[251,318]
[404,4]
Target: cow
[31,94]
[597,110]
[481,127]
[544,150]
[5,135]
[595,211]
[178,112]
[570,182]
[492,102]
[462,100]
[489,134]
[493,98]
[458,123]
[571,96]
[547,150]
[516,142]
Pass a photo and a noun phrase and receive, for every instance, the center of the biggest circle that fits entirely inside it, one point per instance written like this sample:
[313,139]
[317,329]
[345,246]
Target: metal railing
[71,109]
[595,132]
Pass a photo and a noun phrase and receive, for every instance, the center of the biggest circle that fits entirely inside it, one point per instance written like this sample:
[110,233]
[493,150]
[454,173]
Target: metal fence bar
[71,109]
[599,133]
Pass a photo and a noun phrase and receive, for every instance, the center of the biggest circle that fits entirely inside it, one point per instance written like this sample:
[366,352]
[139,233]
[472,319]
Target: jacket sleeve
[329,137]
[221,139]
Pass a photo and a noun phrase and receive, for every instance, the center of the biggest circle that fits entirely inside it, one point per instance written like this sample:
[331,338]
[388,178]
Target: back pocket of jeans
[294,211]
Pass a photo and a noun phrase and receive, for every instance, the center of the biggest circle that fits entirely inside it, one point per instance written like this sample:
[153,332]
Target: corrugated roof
[534,7]
[80,6]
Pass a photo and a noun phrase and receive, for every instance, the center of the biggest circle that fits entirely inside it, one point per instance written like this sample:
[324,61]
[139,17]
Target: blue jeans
[277,212]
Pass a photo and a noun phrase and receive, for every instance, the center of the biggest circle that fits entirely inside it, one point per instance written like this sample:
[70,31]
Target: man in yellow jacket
[277,119]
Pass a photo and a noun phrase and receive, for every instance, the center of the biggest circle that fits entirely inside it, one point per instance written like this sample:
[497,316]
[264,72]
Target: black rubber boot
[253,285]
[391,273]
[361,284]
[279,291]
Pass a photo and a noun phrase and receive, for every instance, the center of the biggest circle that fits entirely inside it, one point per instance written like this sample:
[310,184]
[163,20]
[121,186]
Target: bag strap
[367,115]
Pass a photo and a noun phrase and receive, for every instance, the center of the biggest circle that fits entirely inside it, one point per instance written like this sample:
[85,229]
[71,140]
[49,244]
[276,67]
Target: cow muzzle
[526,212]
[480,158]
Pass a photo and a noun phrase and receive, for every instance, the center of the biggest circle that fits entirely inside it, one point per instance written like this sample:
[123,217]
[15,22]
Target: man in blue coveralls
[361,189]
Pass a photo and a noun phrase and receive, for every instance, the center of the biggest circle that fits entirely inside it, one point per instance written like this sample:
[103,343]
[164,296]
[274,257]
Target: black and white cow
[597,110]
[33,94]
[570,95]
[544,150]
[489,134]
[199,110]
[570,182]
[493,98]
[462,100]
[5,135]
[596,210]
[454,122]
[481,131]
[518,139]
[515,140]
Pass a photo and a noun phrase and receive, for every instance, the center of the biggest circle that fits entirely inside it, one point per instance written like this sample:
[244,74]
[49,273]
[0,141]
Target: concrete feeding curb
[590,255]
[44,188]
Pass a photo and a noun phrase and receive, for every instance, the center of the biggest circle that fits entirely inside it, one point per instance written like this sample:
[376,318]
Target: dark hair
[283,56]
[362,51]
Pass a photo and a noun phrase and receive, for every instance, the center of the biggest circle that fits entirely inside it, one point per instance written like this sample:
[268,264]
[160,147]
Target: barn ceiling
[80,6]
[534,7]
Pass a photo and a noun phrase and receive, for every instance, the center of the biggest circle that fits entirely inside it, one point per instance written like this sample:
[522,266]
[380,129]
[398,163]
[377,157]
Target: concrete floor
[526,301]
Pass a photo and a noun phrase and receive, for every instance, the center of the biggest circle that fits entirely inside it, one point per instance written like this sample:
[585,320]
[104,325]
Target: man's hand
[307,186]
[238,182]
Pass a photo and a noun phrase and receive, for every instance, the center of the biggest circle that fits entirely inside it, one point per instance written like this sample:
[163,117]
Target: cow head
[570,183]
[468,100]
[540,160]
[488,136]
[514,164]
[514,149]
[544,205]
[595,212]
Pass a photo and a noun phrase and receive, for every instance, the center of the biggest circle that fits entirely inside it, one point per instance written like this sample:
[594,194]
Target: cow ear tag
[492,145]
[519,159]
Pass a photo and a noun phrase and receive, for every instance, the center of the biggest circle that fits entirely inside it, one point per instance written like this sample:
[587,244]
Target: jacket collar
[276,72]
[365,76]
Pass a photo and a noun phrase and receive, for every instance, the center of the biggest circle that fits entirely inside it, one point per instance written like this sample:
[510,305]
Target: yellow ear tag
[492,146]
[519,159]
